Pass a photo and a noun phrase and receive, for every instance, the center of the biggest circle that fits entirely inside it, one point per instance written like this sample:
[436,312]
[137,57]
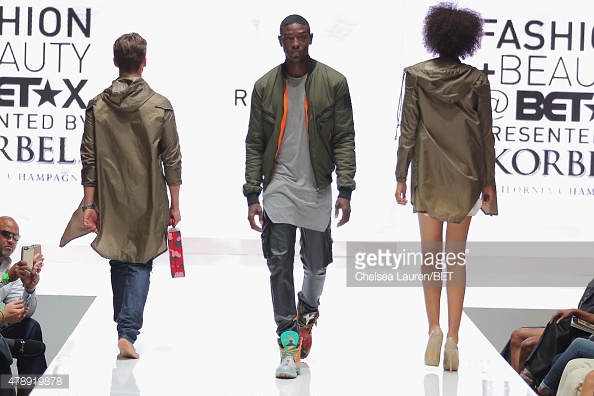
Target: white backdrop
[200,55]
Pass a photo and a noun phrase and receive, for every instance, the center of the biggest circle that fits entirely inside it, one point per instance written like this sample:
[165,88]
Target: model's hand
[174,214]
[255,210]
[91,220]
[488,195]
[344,205]
[401,193]
[32,279]
[561,314]
[14,311]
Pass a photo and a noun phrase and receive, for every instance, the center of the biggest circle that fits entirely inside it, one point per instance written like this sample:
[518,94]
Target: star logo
[47,94]
[591,107]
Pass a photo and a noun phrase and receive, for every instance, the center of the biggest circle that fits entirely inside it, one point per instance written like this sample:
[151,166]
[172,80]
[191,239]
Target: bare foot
[127,349]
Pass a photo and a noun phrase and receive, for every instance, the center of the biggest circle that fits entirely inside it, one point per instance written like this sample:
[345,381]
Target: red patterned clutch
[176,254]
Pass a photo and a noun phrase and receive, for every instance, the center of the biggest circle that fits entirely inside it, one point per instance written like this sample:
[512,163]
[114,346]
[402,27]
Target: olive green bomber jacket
[330,128]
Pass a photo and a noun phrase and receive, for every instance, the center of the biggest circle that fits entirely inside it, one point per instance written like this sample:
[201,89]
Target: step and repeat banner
[205,57]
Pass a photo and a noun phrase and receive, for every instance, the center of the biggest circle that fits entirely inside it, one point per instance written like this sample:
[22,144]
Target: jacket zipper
[269,114]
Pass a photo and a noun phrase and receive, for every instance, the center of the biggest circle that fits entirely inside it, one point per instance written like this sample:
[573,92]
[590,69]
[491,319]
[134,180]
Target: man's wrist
[345,193]
[88,206]
[30,291]
[252,199]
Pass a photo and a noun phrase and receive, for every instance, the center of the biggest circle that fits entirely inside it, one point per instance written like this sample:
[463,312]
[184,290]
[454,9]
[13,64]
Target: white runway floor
[212,333]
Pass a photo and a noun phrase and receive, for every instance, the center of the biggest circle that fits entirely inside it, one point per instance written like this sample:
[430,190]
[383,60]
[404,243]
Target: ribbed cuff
[345,193]
[252,199]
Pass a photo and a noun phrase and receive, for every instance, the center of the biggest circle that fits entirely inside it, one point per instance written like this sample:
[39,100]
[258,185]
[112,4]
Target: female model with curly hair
[446,134]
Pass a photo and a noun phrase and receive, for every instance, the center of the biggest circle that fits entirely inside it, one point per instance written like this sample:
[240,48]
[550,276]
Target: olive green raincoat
[446,134]
[129,151]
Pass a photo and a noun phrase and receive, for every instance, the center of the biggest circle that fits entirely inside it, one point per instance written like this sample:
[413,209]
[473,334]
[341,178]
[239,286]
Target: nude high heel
[450,355]
[433,350]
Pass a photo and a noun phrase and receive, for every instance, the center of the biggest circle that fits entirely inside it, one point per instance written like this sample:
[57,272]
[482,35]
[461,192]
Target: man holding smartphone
[18,301]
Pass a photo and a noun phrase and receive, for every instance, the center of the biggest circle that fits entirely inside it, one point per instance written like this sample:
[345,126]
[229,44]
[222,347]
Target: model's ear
[311,38]
[280,40]
[144,61]
[115,62]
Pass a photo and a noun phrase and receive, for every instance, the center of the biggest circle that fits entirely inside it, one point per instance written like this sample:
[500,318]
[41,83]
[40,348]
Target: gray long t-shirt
[292,196]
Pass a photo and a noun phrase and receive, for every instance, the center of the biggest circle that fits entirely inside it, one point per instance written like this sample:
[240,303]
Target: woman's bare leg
[526,349]
[455,249]
[431,241]
[518,350]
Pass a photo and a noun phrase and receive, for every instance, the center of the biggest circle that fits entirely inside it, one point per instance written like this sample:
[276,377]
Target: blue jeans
[130,285]
[579,348]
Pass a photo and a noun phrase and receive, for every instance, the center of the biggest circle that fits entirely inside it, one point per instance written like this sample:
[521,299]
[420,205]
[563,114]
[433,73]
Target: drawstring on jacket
[399,110]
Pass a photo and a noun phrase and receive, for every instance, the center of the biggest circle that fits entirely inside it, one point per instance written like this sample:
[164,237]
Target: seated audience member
[577,378]
[520,345]
[542,345]
[17,348]
[579,348]
[18,301]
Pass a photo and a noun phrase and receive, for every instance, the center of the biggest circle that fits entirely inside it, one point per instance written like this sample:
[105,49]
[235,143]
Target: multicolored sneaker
[306,323]
[290,351]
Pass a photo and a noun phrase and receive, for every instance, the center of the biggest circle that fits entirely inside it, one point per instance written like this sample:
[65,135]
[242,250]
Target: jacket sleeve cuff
[345,193]
[252,199]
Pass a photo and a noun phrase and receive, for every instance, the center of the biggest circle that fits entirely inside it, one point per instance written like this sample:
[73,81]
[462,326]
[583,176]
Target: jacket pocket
[268,122]
[325,130]
[325,122]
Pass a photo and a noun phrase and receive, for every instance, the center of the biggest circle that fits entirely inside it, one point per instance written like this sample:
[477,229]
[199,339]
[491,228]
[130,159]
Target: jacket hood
[443,78]
[127,93]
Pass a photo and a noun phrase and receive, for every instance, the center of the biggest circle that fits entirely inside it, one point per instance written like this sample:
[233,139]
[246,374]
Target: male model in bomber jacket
[301,129]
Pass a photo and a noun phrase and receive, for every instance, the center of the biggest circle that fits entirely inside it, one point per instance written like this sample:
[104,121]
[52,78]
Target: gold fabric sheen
[130,152]
[446,133]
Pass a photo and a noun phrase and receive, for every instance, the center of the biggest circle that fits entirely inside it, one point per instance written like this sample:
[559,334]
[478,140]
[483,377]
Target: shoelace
[291,351]
[22,350]
[308,327]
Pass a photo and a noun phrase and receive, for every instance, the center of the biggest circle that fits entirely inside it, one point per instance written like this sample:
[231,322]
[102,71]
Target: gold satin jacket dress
[446,132]
[130,152]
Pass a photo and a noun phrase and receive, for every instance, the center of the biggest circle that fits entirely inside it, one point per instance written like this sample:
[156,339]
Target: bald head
[7,244]
[6,219]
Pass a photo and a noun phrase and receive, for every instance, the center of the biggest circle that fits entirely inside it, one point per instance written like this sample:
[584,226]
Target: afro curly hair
[449,31]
